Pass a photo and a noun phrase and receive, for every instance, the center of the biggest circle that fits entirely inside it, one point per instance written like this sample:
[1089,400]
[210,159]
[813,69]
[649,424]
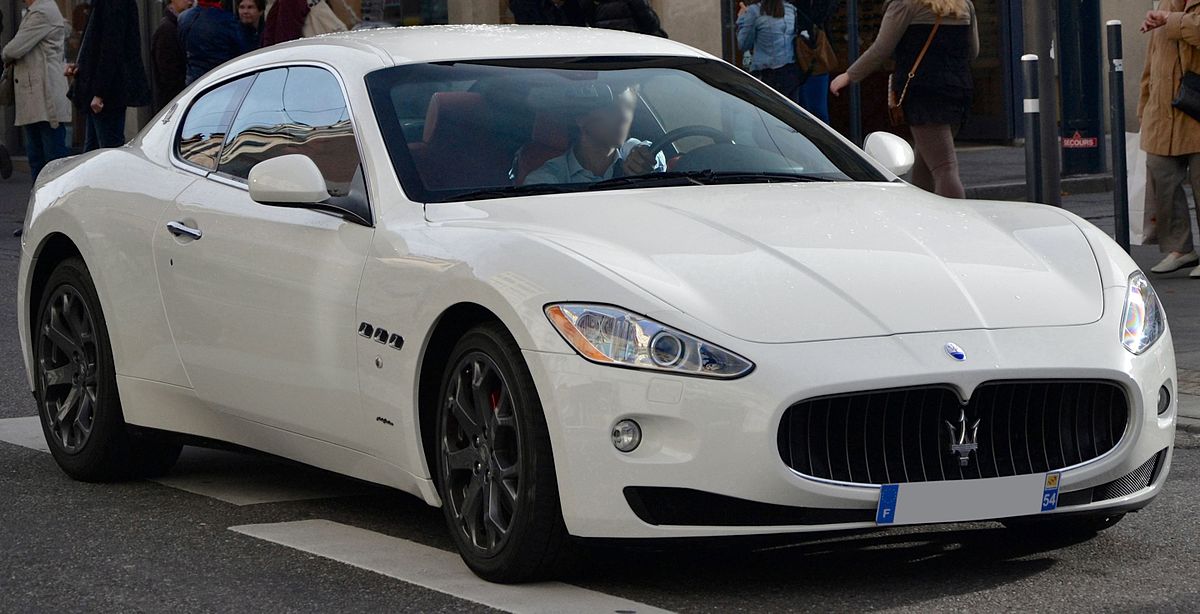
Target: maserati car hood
[805,262]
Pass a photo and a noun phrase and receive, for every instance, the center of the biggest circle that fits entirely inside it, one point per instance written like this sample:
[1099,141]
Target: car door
[261,299]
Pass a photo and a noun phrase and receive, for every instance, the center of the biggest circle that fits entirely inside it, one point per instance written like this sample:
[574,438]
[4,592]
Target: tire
[1073,527]
[75,386]
[504,457]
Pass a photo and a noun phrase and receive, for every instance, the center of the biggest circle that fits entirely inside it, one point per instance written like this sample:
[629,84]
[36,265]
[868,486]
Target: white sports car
[569,283]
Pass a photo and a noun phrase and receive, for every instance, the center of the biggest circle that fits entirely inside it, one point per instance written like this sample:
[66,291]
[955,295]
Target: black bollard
[1033,131]
[1116,98]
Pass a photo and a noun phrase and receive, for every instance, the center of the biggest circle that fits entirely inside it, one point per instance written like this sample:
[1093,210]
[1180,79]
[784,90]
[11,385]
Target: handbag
[814,54]
[1188,99]
[896,104]
[321,20]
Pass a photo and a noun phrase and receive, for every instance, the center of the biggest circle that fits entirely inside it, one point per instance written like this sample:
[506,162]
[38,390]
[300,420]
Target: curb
[1015,190]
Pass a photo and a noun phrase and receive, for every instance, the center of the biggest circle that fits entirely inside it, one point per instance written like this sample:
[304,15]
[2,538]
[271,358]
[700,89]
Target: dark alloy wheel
[67,368]
[481,453]
[76,387]
[495,470]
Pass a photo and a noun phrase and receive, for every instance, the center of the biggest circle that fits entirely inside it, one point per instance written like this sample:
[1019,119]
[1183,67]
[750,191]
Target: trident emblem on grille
[963,440]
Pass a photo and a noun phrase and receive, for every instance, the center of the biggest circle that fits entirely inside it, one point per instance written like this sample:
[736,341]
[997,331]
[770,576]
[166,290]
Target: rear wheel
[495,469]
[76,388]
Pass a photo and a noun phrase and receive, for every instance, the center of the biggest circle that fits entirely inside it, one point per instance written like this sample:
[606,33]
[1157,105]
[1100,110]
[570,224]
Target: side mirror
[893,152]
[291,180]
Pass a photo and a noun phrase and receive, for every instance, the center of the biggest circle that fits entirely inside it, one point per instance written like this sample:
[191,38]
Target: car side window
[295,110]
[207,123]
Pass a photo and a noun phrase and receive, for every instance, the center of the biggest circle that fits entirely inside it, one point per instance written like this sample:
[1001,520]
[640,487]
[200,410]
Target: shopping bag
[1142,209]
[321,20]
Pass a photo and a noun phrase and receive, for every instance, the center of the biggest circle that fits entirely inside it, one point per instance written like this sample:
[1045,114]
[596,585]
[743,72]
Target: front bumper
[720,437]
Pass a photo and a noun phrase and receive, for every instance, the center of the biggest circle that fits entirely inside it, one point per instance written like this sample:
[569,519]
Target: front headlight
[613,336]
[1143,321]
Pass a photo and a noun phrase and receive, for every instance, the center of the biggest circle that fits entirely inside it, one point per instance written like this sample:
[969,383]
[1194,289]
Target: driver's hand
[639,161]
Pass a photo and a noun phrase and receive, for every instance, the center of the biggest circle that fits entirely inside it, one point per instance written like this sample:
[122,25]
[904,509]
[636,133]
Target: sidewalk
[994,172]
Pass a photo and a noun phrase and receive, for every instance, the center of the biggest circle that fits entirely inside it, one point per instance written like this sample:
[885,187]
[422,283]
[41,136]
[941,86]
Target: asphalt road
[167,546]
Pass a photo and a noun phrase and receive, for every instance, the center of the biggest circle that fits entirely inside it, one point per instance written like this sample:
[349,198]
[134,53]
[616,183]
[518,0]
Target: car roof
[478,42]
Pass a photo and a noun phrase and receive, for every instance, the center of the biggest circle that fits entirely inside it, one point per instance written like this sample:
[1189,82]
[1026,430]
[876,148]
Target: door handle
[180,229]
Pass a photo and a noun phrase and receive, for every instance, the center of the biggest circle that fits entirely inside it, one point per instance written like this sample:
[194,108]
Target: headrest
[550,131]
[453,110]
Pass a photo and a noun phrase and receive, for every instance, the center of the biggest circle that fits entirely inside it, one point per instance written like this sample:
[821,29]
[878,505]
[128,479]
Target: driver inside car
[600,146]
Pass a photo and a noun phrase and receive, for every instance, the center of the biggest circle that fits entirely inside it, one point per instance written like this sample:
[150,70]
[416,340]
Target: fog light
[1164,400]
[626,435]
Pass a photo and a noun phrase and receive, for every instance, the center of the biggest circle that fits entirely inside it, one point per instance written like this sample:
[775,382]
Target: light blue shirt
[567,169]
[772,39]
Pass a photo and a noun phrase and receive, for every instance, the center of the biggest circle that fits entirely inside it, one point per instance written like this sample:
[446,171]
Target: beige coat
[1174,49]
[36,53]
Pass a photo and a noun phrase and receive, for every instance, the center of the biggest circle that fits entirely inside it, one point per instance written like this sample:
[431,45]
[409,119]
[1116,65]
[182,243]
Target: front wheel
[76,387]
[495,469]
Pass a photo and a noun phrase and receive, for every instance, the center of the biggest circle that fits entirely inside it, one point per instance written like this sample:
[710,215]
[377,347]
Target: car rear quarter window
[207,123]
[294,110]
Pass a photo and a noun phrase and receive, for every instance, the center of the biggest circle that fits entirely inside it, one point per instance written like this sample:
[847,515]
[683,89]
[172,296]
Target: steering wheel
[681,133]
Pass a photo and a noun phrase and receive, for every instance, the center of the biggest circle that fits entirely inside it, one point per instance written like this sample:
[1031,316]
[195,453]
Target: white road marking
[24,432]
[432,568]
[239,479]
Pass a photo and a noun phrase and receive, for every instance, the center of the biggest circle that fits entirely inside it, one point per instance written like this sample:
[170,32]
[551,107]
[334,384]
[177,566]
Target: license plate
[930,502]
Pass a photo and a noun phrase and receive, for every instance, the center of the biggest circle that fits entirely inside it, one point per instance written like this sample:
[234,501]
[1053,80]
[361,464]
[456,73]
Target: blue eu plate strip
[1050,492]
[886,514]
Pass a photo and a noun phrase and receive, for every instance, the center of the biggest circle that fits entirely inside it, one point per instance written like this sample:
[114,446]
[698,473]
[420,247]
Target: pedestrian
[211,36]
[108,72]
[40,87]
[937,98]
[1170,134]
[168,60]
[250,14]
[768,30]
[628,15]
[812,30]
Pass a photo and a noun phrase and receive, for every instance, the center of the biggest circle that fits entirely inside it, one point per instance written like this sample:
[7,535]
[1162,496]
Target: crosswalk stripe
[432,568]
[238,479]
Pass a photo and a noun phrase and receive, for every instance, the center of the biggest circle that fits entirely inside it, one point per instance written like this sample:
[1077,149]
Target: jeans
[104,129]
[44,144]
[814,96]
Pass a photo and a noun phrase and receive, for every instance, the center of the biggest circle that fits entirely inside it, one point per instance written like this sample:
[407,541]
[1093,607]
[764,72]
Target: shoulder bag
[896,105]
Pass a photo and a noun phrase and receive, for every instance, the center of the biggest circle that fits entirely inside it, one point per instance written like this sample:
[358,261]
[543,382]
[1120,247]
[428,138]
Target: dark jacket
[569,14]
[628,15]
[252,34]
[285,22]
[110,58]
[211,36]
[168,61]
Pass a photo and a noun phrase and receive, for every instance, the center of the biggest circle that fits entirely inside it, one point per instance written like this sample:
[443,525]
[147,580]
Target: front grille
[904,435]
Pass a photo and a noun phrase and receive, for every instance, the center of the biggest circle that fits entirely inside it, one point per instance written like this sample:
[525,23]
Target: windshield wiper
[743,177]
[520,190]
[668,178]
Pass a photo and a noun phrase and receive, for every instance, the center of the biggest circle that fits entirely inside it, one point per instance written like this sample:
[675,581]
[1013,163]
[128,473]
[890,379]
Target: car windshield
[470,130]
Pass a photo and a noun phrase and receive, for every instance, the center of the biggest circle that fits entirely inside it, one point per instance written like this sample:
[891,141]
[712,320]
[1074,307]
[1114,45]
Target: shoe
[1195,274]
[5,163]
[1173,263]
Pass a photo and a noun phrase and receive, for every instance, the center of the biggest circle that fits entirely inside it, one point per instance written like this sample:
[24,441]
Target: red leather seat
[459,149]
[550,139]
